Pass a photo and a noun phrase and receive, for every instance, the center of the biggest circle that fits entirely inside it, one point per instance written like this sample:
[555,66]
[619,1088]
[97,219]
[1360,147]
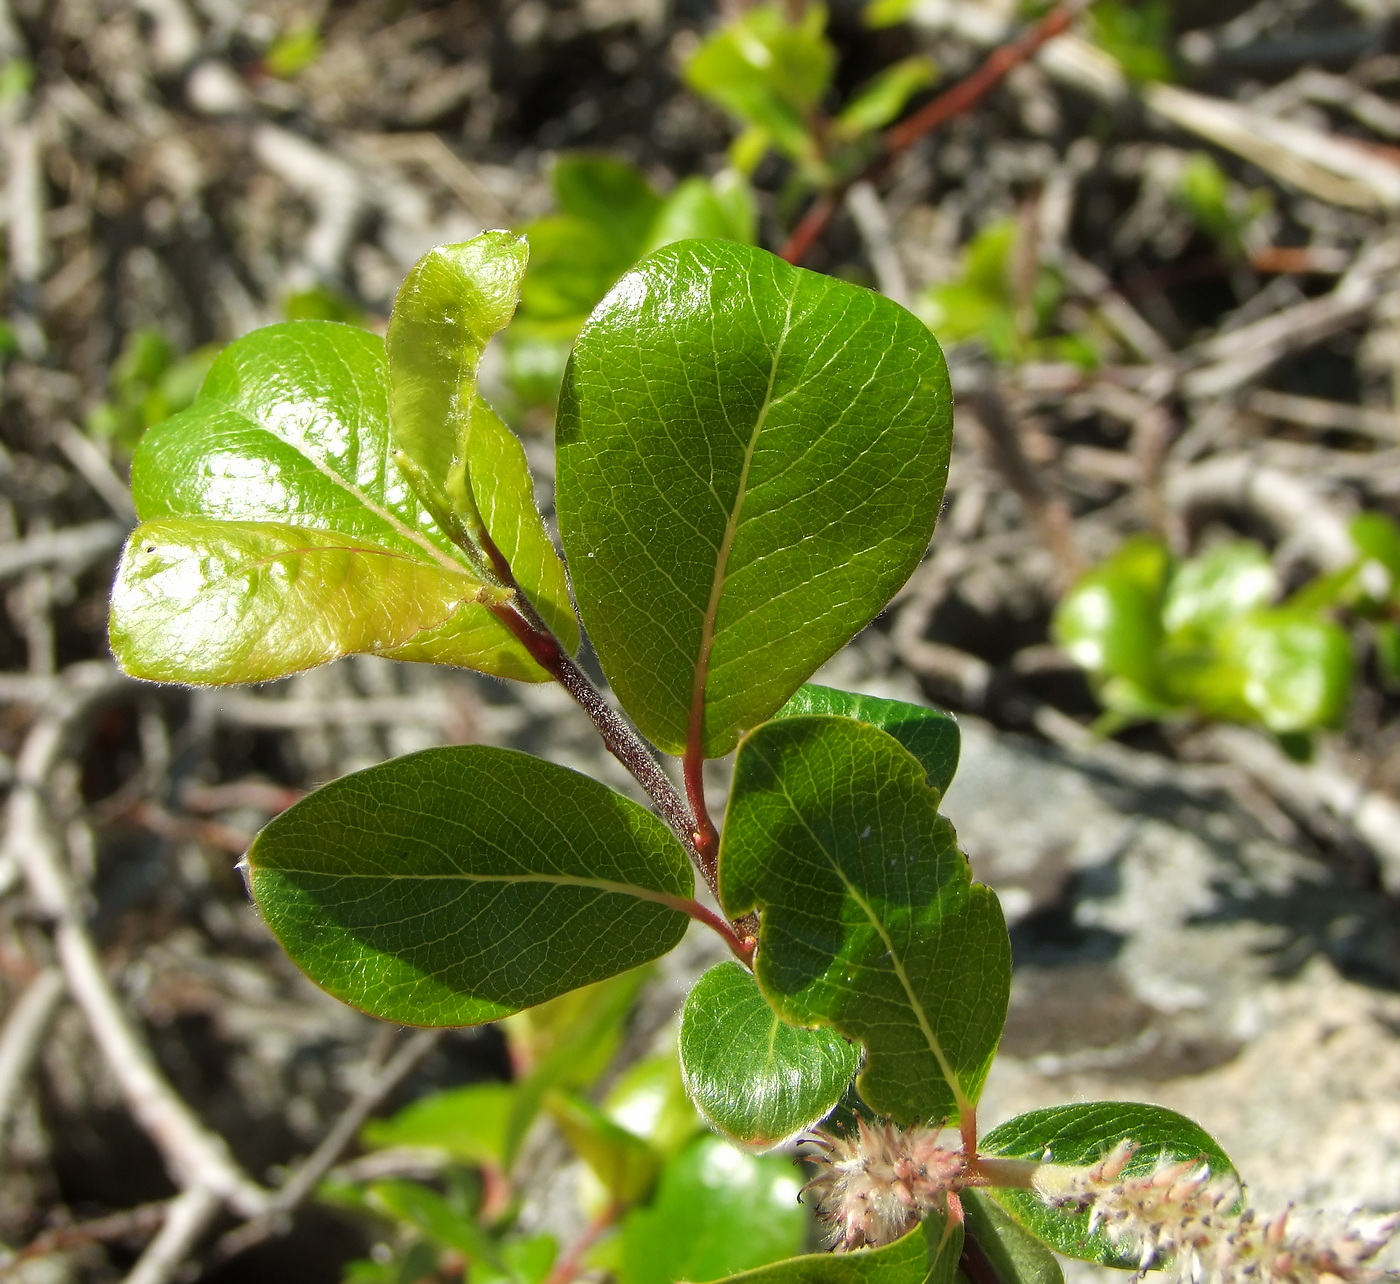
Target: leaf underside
[457,885]
[871,922]
[751,458]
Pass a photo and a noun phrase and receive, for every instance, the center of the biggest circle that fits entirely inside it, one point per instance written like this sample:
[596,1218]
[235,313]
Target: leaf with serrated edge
[928,1254]
[754,1077]
[1079,1135]
[871,922]
[931,735]
[751,458]
[215,602]
[456,885]
[292,426]
[450,304]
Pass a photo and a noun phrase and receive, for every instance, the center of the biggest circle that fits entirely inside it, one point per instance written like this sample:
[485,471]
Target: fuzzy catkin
[1188,1217]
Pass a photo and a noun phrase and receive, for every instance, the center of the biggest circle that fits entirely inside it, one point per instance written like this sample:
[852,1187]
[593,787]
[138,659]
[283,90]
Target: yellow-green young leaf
[756,1078]
[1081,1134]
[449,306]
[625,1164]
[871,922]
[206,602]
[751,458]
[469,1124]
[427,1211]
[1296,667]
[879,102]
[454,886]
[292,426]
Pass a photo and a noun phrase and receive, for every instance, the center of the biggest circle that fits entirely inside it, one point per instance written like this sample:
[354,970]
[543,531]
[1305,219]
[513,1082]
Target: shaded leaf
[456,885]
[213,602]
[423,1208]
[292,426]
[931,735]
[750,462]
[1081,1134]
[923,1256]
[624,1163]
[871,923]
[717,1210]
[1018,1256]
[754,1077]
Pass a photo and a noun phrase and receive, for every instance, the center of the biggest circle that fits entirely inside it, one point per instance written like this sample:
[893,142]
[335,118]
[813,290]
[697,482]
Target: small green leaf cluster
[773,69]
[677,1202]
[1006,299]
[608,216]
[1137,35]
[1224,211]
[149,382]
[750,460]
[1207,636]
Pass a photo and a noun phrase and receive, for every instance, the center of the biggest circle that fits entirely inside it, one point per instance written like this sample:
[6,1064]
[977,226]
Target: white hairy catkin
[1185,1216]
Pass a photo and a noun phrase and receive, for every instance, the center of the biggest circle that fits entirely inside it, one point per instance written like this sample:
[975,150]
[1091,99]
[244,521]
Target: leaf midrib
[696,726]
[916,1006]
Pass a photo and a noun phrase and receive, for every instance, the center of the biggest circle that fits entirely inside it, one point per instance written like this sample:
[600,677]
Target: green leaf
[1209,591]
[1297,668]
[931,735]
[426,1210]
[1110,622]
[468,1124]
[717,1211]
[754,1077]
[769,71]
[649,1099]
[879,102]
[213,602]
[701,207]
[1137,35]
[452,302]
[1081,1134]
[751,458]
[625,1164]
[292,426]
[923,1256]
[1018,1256]
[606,192]
[871,923]
[456,885]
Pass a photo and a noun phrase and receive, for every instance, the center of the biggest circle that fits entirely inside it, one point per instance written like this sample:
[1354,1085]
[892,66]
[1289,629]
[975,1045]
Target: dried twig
[22,1039]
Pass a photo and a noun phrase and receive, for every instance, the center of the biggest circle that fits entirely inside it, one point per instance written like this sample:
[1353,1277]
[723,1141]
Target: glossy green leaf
[884,98]
[717,1211]
[205,602]
[456,885]
[768,70]
[1297,668]
[871,922]
[1209,591]
[1110,621]
[1081,1134]
[931,735]
[454,299]
[1017,1255]
[292,426]
[751,458]
[468,1124]
[756,1078]
[624,1163]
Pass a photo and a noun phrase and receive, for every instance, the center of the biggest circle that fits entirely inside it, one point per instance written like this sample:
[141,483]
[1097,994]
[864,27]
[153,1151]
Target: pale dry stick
[872,221]
[197,1158]
[1326,416]
[22,1039]
[73,548]
[95,468]
[1227,363]
[332,185]
[304,1179]
[189,1216]
[143,1220]
[243,710]
[28,247]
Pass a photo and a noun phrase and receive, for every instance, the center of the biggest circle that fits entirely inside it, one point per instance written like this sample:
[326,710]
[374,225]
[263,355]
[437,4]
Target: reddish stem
[742,947]
[706,836]
[965,94]
[569,1265]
